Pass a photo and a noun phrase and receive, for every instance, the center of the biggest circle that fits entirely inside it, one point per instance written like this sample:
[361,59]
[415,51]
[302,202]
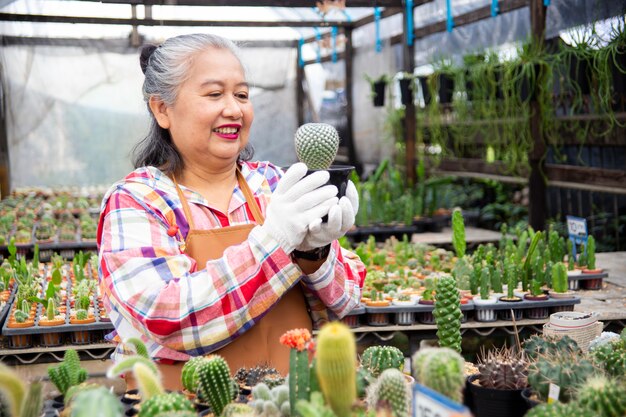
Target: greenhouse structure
[170,248]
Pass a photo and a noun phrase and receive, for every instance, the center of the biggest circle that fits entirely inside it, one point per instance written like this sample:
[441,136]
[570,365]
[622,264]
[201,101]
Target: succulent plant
[73,391]
[68,373]
[165,402]
[316,145]
[503,369]
[82,314]
[591,253]
[270,402]
[315,407]
[537,345]
[189,376]
[51,309]
[95,402]
[555,409]
[238,410]
[249,377]
[448,314]
[215,383]
[559,278]
[20,316]
[392,390]
[565,369]
[376,359]
[606,397]
[440,369]
[18,399]
[611,356]
[336,365]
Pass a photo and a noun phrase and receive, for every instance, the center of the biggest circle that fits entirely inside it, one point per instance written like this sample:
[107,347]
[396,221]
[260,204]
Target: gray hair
[166,68]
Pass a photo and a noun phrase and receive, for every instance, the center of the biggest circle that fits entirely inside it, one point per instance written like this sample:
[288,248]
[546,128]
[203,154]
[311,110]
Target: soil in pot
[488,402]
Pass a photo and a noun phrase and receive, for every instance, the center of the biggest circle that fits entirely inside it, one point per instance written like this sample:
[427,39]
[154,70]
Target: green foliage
[440,369]
[95,401]
[606,397]
[559,278]
[68,373]
[458,233]
[165,402]
[591,252]
[562,368]
[376,359]
[215,383]
[392,390]
[448,313]
[299,377]
[336,365]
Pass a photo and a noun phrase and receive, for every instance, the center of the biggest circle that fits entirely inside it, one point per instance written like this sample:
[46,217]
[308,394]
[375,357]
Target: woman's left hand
[340,220]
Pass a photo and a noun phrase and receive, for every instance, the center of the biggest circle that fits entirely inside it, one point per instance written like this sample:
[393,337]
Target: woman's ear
[159,109]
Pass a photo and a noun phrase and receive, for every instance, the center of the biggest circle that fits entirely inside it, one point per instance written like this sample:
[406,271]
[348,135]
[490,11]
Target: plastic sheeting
[74,113]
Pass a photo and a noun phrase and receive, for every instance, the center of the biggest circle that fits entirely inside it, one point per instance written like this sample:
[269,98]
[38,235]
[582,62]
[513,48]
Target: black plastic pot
[488,402]
[339,175]
[406,91]
[425,90]
[445,85]
[530,403]
[379,91]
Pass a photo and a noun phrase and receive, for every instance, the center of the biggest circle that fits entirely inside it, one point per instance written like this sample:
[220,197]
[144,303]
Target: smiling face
[210,120]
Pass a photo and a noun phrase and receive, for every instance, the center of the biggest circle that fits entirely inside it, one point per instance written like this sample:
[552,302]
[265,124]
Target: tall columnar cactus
[51,309]
[95,401]
[559,278]
[376,359]
[336,366]
[458,233]
[565,369]
[448,314]
[392,390]
[503,369]
[316,145]
[591,253]
[606,397]
[297,341]
[215,383]
[20,401]
[189,375]
[440,369]
[68,373]
[582,256]
[485,283]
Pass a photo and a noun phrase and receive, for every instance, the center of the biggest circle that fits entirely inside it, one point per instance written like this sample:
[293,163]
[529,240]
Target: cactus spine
[215,383]
[559,278]
[376,359]
[271,403]
[391,388]
[51,309]
[448,314]
[68,373]
[440,369]
[603,396]
[336,365]
[503,369]
[95,402]
[299,377]
[189,376]
[562,368]
[316,145]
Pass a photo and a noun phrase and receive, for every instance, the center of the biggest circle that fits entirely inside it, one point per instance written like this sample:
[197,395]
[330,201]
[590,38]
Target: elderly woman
[201,250]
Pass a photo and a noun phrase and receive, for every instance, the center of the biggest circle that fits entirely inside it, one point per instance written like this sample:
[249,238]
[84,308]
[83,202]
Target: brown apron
[259,345]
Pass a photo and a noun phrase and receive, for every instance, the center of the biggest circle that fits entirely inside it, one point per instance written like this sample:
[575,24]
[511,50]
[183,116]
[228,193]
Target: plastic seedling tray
[583,276]
[524,304]
[7,307]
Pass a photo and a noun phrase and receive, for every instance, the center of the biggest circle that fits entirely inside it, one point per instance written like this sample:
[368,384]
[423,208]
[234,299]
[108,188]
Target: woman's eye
[243,96]
[214,94]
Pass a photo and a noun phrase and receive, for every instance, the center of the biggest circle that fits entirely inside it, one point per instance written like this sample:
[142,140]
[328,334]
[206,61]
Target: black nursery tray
[7,307]
[417,308]
[551,302]
[583,276]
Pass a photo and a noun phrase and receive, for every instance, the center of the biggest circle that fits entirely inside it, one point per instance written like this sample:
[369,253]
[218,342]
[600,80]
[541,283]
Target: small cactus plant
[440,369]
[591,253]
[559,278]
[537,345]
[336,365]
[238,410]
[562,368]
[157,404]
[51,309]
[189,376]
[392,390]
[68,373]
[448,314]
[611,356]
[316,145]
[299,374]
[82,314]
[95,401]
[603,396]
[503,369]
[270,403]
[376,359]
[215,383]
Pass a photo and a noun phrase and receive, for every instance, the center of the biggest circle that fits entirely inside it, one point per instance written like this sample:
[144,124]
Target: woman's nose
[232,108]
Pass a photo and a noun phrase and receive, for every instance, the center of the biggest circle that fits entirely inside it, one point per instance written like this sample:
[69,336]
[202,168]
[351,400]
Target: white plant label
[429,403]
[553,393]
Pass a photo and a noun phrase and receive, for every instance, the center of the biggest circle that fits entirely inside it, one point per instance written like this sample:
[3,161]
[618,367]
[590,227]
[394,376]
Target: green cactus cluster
[165,402]
[392,391]
[268,402]
[559,278]
[82,314]
[442,370]
[91,401]
[503,369]
[538,345]
[23,313]
[376,359]
[68,373]
[565,369]
[611,356]
[215,383]
[316,145]
[448,313]
[605,397]
[249,377]
[555,409]
[189,376]
[238,410]
[177,414]
[335,366]
[314,407]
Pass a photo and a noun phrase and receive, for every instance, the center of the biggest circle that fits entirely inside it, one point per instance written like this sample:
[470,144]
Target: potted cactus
[560,283]
[447,313]
[376,359]
[67,374]
[484,299]
[440,369]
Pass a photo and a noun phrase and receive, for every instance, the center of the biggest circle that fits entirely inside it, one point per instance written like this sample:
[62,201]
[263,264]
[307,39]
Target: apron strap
[245,189]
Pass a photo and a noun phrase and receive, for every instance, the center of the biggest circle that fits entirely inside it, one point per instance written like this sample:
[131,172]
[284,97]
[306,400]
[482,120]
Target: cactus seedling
[68,373]
[316,145]
[299,374]
[376,359]
[95,401]
[503,369]
[215,383]
[391,389]
[440,369]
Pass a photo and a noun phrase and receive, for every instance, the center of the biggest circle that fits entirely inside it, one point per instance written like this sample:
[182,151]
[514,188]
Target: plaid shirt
[154,291]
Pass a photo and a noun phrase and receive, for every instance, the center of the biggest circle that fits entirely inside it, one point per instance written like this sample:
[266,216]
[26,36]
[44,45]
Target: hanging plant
[406,80]
[610,67]
[377,88]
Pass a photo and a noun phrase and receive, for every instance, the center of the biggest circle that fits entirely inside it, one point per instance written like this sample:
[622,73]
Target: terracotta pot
[15,325]
[382,303]
[592,271]
[74,320]
[57,321]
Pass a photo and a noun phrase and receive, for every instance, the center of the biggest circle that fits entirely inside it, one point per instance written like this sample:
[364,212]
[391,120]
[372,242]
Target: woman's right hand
[298,200]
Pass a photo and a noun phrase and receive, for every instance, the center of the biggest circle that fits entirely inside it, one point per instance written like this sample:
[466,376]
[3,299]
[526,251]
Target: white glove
[340,220]
[297,202]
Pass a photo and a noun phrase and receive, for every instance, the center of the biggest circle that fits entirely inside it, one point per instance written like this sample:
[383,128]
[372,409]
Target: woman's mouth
[227,132]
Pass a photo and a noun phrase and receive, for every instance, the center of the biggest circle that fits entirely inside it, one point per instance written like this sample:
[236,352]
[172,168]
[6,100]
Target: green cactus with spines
[495,275]
[547,275]
[299,377]
[376,359]
[458,233]
[165,402]
[391,388]
[336,365]
[474,280]
[559,278]
[571,259]
[189,377]
[95,401]
[315,407]
[363,380]
[555,409]
[238,410]
[538,345]
[565,369]
[268,402]
[316,145]
[68,373]
[510,271]
[591,253]
[582,256]
[51,309]
[20,316]
[33,403]
[611,357]
[179,413]
[127,364]
[215,383]
[485,283]
[447,312]
[139,346]
[606,397]
[503,369]
[82,314]
[440,369]
[73,391]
